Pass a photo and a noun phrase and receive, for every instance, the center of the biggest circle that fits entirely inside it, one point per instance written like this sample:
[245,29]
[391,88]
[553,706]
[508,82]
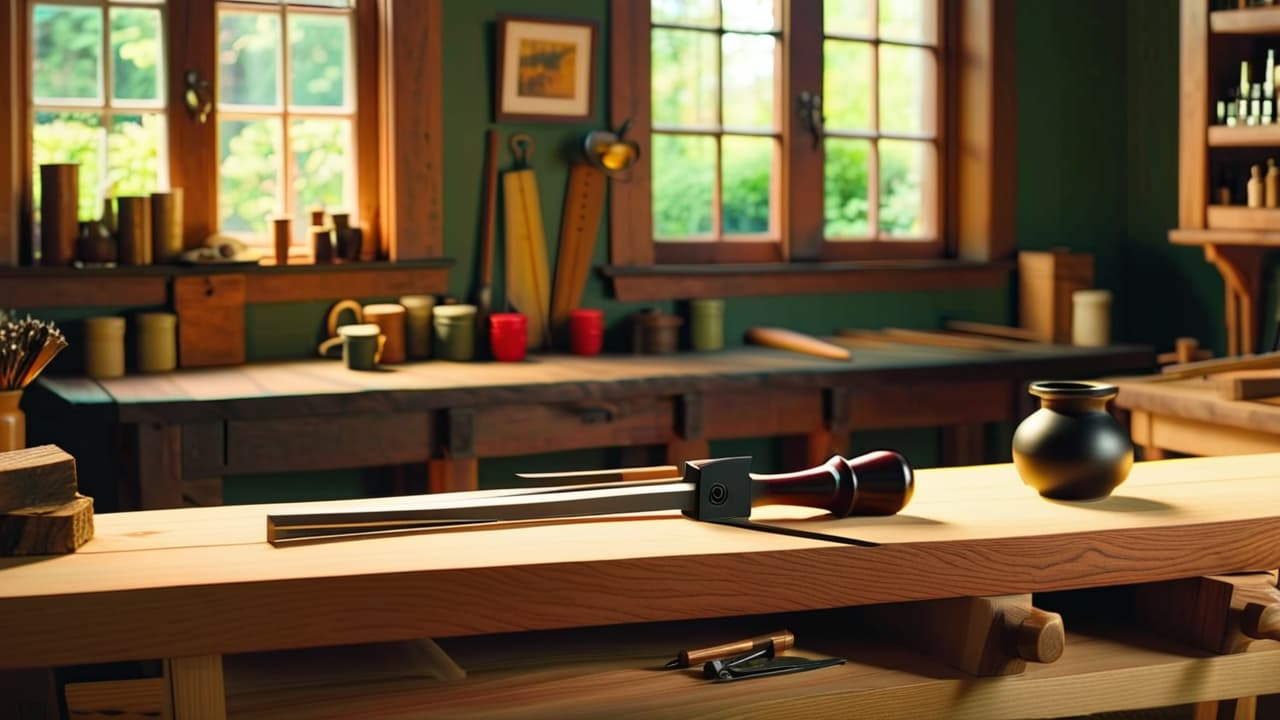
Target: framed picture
[546,69]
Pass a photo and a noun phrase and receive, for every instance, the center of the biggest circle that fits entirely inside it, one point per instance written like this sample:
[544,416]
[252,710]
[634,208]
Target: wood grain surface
[322,387]
[42,475]
[201,581]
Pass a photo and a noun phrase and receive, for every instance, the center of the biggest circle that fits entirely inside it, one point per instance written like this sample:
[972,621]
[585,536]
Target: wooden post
[196,687]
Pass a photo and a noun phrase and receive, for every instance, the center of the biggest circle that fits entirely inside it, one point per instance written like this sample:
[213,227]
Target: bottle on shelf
[1254,188]
[1271,185]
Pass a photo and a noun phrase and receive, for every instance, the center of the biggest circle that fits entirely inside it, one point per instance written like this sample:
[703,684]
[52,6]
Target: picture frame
[546,69]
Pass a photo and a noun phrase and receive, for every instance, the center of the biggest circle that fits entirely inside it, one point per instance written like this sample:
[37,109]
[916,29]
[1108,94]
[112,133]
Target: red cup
[586,331]
[508,336]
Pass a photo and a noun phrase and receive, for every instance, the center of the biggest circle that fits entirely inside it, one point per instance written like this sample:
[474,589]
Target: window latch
[197,98]
[810,107]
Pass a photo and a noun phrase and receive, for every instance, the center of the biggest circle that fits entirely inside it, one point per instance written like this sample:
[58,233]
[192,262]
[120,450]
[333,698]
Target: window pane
[70,138]
[136,54]
[845,200]
[907,94]
[138,164]
[322,165]
[249,59]
[686,12]
[67,52]
[749,15]
[748,81]
[748,167]
[324,3]
[847,17]
[846,85]
[319,57]
[684,172]
[685,78]
[908,20]
[903,208]
[249,174]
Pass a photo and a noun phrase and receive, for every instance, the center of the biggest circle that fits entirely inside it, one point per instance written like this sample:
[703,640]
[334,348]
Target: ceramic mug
[362,345]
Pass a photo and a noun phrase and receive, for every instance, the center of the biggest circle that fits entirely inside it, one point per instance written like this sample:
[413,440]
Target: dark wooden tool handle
[781,640]
[878,483]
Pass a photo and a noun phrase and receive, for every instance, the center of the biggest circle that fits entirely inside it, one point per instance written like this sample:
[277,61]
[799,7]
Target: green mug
[361,345]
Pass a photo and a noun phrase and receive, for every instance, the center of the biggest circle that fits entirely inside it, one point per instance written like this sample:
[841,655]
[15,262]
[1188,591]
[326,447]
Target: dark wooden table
[179,433]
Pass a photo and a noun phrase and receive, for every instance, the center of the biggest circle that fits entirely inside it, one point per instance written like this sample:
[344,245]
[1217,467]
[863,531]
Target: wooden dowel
[784,339]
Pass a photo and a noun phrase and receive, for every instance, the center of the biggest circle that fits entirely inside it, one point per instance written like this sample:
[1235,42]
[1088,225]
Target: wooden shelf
[1244,136]
[1249,21]
[1239,217]
[50,287]
[1201,236]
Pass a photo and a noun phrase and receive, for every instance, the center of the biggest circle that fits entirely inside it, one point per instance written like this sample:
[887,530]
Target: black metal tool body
[721,490]
[761,663]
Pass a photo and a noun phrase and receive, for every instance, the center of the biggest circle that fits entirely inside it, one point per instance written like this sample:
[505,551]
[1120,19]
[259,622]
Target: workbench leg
[453,474]
[1207,710]
[964,444]
[28,695]
[678,451]
[151,457]
[196,688]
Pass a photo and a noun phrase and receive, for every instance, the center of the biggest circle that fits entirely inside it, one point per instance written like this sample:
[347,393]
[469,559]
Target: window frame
[976,188]
[394,110]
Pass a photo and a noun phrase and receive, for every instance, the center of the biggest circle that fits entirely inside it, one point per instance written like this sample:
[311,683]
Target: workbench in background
[177,434]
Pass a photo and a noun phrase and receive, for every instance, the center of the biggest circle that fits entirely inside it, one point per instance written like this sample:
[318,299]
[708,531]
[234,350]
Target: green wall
[1097,172]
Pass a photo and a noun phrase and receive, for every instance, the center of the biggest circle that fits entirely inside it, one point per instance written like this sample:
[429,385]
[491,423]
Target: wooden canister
[655,332]
[417,325]
[59,226]
[1091,318]
[706,324]
[455,327]
[104,347]
[166,226]
[282,235]
[157,341]
[389,317]
[133,225]
[322,244]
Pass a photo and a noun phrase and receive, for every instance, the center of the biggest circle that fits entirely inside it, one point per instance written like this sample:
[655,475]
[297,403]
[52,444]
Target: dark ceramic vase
[1072,448]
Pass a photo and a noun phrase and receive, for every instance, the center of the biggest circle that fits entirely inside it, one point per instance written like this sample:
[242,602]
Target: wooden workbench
[1192,416]
[187,429]
[195,585]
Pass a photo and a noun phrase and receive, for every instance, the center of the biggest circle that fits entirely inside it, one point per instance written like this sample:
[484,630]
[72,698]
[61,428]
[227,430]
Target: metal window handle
[810,107]
[196,97]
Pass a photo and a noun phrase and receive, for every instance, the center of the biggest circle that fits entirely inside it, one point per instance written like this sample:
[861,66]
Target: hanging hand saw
[528,277]
[720,490]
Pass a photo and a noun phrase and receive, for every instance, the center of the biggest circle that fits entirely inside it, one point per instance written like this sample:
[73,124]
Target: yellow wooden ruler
[528,277]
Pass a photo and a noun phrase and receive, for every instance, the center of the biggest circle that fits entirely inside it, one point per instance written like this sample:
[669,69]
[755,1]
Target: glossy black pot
[1072,448]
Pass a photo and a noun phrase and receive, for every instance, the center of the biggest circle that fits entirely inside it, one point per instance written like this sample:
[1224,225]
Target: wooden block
[197,688]
[48,530]
[982,636]
[1046,281]
[139,699]
[1218,613]
[38,476]
[210,312]
[1248,384]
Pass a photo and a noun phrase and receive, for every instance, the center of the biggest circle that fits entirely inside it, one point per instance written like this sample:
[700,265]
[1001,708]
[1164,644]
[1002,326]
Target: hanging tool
[721,490]
[528,277]
[484,294]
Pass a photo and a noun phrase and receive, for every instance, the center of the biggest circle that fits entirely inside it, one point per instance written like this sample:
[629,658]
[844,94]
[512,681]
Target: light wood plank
[207,577]
[142,699]
[197,687]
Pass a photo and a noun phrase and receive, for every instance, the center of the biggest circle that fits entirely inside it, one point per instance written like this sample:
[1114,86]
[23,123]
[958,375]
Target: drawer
[527,429]
[761,413]
[328,442]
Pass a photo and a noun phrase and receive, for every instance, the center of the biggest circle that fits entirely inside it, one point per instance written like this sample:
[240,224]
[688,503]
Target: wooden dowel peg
[1219,613]
[1261,622]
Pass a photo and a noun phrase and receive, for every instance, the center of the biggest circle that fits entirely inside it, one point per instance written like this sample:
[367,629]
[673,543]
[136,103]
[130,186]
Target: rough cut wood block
[1046,281]
[140,699]
[47,530]
[43,475]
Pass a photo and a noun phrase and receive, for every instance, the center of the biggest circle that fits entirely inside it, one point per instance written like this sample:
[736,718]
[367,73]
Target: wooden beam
[630,212]
[1193,116]
[193,156]
[10,120]
[413,130]
[802,168]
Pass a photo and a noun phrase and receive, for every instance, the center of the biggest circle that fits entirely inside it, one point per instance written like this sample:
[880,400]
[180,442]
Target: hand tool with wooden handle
[779,641]
[719,490]
[528,277]
[484,294]
[784,339]
[579,225]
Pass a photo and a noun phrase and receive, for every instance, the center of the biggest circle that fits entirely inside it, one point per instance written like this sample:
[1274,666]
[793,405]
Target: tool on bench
[761,663]
[720,490]
[777,641]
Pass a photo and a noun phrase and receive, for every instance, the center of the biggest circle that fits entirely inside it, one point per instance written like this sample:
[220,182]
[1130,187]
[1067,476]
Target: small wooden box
[1046,281]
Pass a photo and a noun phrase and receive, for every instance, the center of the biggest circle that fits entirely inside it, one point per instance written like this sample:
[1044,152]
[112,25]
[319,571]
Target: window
[286,113]
[719,139]
[313,104]
[97,82]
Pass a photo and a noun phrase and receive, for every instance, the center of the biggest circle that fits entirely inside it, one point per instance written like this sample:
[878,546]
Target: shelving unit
[1235,238]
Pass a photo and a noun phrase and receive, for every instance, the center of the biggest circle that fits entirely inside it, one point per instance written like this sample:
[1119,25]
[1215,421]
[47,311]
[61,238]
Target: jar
[706,324]
[157,341]
[508,336]
[1072,448]
[653,332]
[417,325]
[13,422]
[104,347]
[1091,318]
[586,331]
[455,327]
[389,317]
